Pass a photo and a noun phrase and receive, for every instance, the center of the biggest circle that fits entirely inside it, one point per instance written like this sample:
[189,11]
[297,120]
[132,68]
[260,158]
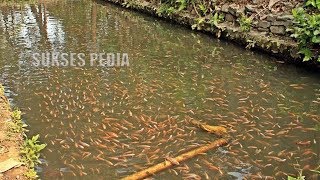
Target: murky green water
[107,123]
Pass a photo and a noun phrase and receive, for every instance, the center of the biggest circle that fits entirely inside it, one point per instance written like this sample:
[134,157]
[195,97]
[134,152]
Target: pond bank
[10,143]
[267,35]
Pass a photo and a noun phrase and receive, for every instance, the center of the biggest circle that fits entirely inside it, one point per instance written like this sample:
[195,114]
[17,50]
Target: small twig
[195,9]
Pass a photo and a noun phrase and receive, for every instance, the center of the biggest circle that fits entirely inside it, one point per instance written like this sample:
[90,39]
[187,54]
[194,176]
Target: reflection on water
[109,122]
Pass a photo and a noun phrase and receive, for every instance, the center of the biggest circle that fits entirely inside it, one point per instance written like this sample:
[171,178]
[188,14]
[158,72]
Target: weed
[31,151]
[166,9]
[199,23]
[203,9]
[16,115]
[16,125]
[245,23]
[216,19]
[31,174]
[182,4]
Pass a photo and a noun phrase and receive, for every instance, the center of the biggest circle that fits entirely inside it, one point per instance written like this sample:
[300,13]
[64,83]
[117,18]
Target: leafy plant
[199,23]
[31,151]
[16,115]
[216,19]
[313,3]
[245,23]
[182,4]
[166,9]
[203,9]
[16,125]
[31,174]
[306,31]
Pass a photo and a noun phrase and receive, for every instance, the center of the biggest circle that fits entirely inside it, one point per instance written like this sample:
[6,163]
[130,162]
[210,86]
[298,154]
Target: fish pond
[108,122]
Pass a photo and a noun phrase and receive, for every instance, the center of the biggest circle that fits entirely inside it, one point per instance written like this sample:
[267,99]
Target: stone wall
[269,24]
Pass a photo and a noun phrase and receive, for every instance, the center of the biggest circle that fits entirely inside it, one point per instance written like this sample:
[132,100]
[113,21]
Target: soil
[9,142]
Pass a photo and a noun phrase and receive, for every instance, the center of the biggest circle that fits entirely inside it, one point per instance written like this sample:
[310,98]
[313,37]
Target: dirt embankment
[10,144]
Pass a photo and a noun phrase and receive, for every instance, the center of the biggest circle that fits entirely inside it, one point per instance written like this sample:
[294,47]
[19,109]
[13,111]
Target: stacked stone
[270,23]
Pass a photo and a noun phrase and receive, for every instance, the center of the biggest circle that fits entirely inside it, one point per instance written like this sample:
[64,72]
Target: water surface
[103,122]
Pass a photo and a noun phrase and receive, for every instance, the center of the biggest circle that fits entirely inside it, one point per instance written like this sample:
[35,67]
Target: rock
[285,17]
[229,17]
[240,12]
[263,30]
[9,164]
[282,23]
[254,24]
[280,30]
[272,3]
[258,2]
[233,9]
[271,18]
[289,5]
[254,2]
[264,24]
[225,8]
[249,8]
[263,17]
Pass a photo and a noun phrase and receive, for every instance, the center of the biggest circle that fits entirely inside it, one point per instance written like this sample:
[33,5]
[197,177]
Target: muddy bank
[10,143]
[267,33]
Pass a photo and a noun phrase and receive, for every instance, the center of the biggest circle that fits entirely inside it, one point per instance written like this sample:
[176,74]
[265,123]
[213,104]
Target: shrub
[313,3]
[306,30]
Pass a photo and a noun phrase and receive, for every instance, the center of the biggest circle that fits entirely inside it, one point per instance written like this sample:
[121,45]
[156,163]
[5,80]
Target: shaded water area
[103,122]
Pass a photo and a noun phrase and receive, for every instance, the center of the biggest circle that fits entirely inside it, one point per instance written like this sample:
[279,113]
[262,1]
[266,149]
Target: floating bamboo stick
[217,130]
[174,161]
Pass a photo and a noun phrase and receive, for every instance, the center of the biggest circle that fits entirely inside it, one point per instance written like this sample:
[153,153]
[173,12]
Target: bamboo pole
[185,156]
[217,130]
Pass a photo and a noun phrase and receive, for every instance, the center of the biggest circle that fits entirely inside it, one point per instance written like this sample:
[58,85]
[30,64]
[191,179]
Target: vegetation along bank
[289,29]
[18,154]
